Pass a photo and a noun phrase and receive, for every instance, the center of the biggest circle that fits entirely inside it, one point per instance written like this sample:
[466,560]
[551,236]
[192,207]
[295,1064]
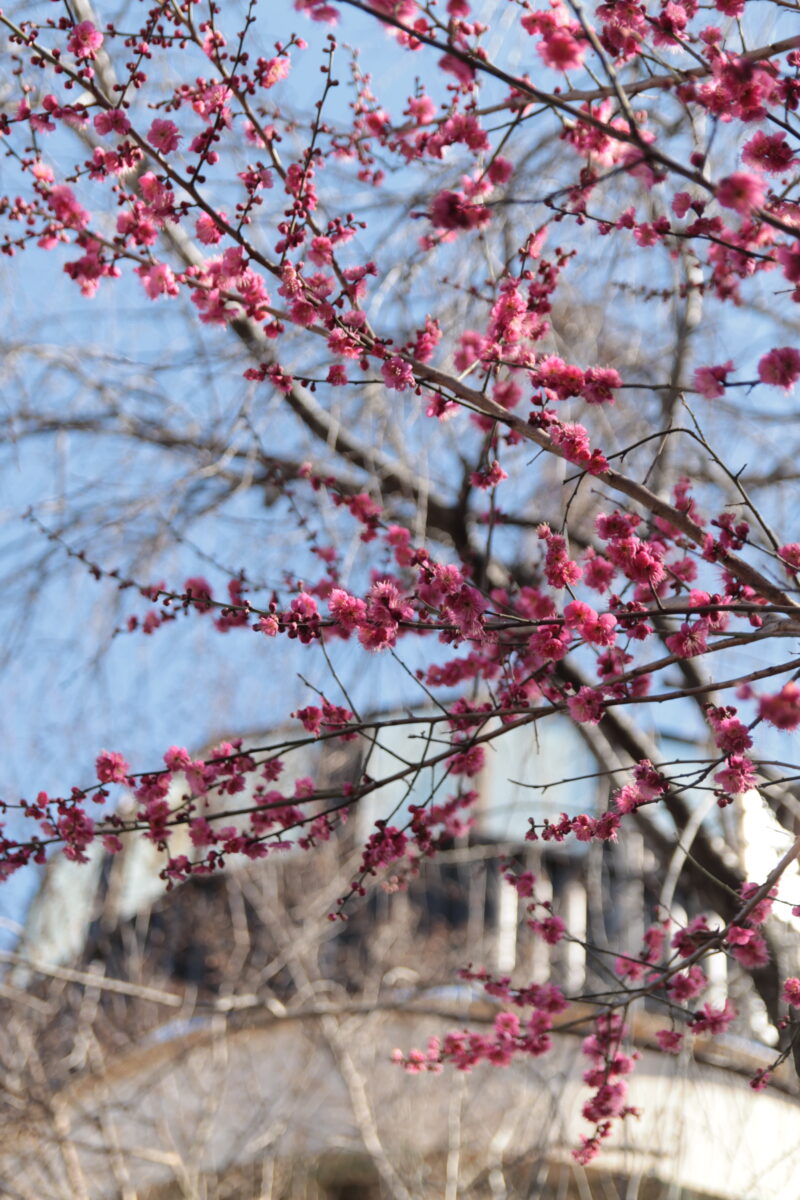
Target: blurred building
[225,1039]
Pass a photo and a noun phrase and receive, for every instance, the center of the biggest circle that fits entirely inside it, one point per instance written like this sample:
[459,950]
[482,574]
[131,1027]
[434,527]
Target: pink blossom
[586,706]
[85,40]
[397,374]
[467,762]
[201,833]
[561,379]
[384,847]
[781,367]
[158,280]
[714,1020]
[273,70]
[768,152]
[753,953]
[686,940]
[337,375]
[500,170]
[741,192]
[791,992]
[452,210]
[629,968]
[681,203]
[199,591]
[763,908]
[738,776]
[783,709]
[489,478]
[689,640]
[111,120]
[598,383]
[523,883]
[710,381]
[597,571]
[464,73]
[506,1024]
[561,50]
[163,136]
[66,208]
[790,553]
[304,605]
[686,985]
[608,1101]
[730,735]
[177,758]
[669,1040]
[311,718]
[551,929]
[789,258]
[628,799]
[640,561]
[111,767]
[421,109]
[560,570]
[76,829]
[403,10]
[348,611]
[213,42]
[207,230]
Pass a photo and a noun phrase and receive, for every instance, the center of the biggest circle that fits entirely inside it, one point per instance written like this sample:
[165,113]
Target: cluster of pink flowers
[609,1067]
[594,619]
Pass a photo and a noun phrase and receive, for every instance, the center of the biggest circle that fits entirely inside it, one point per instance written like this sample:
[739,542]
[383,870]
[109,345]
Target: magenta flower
[85,40]
[710,381]
[741,192]
[781,368]
[111,767]
[164,136]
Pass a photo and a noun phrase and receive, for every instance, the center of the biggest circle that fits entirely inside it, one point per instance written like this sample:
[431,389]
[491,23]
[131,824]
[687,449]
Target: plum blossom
[61,199]
[397,374]
[198,590]
[111,767]
[453,210]
[348,611]
[791,992]
[158,280]
[561,50]
[689,640]
[586,706]
[741,192]
[111,120]
[164,136]
[714,1020]
[500,170]
[598,383]
[85,40]
[77,831]
[781,367]
[768,152]
[790,553]
[789,258]
[783,709]
[738,776]
[710,381]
